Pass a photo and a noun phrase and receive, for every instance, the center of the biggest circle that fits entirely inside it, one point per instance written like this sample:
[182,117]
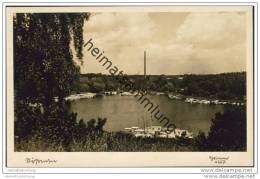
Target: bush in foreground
[227,132]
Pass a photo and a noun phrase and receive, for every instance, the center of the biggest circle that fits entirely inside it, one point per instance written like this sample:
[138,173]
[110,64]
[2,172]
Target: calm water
[126,111]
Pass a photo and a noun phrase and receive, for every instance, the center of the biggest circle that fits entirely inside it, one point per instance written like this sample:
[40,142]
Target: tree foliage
[44,69]
[43,65]
[222,86]
[226,86]
[227,132]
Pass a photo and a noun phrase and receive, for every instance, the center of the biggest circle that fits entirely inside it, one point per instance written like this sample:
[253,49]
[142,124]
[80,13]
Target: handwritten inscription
[218,160]
[37,161]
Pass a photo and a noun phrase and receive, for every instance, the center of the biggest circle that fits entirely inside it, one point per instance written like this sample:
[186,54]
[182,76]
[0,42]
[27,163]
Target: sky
[175,42]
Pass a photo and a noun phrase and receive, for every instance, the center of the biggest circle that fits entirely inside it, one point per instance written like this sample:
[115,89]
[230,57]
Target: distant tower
[144,64]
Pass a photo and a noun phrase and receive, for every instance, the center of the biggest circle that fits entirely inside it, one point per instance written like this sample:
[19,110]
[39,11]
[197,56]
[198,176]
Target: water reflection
[126,111]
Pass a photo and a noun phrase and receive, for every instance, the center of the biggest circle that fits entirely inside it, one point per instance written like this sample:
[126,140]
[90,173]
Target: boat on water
[135,93]
[171,96]
[159,132]
[126,94]
[80,96]
[160,93]
[216,102]
[108,93]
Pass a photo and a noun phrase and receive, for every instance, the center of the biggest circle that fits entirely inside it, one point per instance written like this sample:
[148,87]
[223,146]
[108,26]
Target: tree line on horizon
[221,86]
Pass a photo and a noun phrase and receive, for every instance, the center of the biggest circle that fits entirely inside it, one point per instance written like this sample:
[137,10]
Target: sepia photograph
[131,79]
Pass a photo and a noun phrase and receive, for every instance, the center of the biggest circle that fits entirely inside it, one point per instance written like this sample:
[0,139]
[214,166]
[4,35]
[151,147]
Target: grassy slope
[106,142]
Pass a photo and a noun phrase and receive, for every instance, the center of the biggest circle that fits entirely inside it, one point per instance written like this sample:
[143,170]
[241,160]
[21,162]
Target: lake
[126,111]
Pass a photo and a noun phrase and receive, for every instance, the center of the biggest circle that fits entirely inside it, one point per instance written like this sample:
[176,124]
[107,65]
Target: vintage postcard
[129,86]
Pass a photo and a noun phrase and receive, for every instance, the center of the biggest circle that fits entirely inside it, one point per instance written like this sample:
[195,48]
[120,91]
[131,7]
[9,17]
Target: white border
[120,170]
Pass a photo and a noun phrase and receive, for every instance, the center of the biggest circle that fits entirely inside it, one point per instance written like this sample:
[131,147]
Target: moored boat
[159,132]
